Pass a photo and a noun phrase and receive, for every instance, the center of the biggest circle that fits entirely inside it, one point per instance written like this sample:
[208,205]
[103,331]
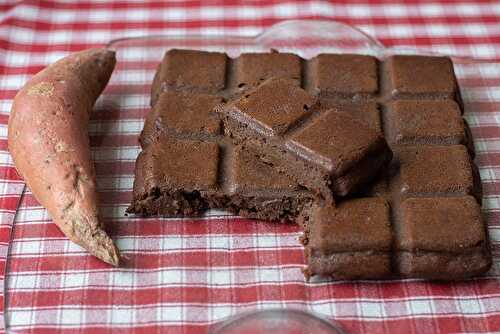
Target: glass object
[277,321]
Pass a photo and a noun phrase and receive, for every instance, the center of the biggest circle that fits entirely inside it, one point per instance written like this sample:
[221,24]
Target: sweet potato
[48,140]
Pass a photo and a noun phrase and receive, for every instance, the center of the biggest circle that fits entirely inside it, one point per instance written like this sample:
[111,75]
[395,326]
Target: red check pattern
[181,276]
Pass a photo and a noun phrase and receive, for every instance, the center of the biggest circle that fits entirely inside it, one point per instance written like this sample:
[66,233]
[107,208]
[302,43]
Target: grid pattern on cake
[432,173]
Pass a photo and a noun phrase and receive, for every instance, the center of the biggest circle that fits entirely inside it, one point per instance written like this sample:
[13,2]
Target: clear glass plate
[479,78]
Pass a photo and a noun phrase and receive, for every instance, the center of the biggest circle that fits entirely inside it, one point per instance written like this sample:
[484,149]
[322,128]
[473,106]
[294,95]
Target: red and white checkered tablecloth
[183,275]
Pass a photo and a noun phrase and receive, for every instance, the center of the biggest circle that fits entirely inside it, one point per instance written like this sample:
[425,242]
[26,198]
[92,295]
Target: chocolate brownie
[442,238]
[423,77]
[350,241]
[190,71]
[188,114]
[253,68]
[343,75]
[427,122]
[326,151]
[430,170]
[177,177]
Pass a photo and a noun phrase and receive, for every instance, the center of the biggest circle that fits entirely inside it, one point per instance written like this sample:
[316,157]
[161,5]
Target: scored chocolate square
[349,160]
[176,177]
[253,68]
[252,174]
[330,154]
[190,71]
[434,170]
[427,122]
[274,107]
[259,191]
[445,233]
[344,74]
[423,76]
[180,112]
[429,223]
[350,241]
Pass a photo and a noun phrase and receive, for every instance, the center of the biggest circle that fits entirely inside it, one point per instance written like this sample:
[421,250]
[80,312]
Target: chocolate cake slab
[328,152]
[420,216]
[422,77]
[350,241]
[187,166]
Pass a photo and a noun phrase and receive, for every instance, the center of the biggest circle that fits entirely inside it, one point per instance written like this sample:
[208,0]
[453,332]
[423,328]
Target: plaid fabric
[183,275]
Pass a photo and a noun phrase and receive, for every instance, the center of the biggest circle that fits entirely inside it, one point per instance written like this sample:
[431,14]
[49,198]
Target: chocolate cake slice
[327,151]
[419,217]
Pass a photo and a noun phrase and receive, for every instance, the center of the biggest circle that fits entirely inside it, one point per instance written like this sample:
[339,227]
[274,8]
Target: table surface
[186,274]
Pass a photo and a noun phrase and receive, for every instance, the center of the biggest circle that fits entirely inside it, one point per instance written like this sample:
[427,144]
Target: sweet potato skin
[48,140]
